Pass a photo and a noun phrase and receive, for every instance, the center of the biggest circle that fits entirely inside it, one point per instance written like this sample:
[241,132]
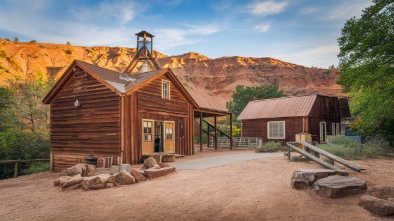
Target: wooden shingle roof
[278,107]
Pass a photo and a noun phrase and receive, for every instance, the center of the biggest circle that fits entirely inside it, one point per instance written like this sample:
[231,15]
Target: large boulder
[339,186]
[61,180]
[74,181]
[149,162]
[122,178]
[154,173]
[303,179]
[95,182]
[81,169]
[379,200]
[137,175]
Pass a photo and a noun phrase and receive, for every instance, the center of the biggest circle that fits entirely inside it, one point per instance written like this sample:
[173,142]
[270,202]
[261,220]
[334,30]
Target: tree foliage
[243,95]
[367,68]
[24,122]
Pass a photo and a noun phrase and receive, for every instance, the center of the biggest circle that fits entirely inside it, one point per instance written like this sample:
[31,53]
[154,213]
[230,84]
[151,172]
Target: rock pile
[85,176]
[330,183]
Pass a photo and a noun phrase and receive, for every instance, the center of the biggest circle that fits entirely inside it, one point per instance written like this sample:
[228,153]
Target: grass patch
[349,149]
[36,167]
[270,146]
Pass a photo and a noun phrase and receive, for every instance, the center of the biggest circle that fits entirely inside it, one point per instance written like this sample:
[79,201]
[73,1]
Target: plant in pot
[91,159]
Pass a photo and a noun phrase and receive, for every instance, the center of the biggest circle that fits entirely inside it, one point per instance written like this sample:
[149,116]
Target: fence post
[51,162]
[16,170]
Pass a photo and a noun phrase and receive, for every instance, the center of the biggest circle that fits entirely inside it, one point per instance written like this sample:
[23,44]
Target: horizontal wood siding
[324,109]
[93,126]
[258,128]
[146,103]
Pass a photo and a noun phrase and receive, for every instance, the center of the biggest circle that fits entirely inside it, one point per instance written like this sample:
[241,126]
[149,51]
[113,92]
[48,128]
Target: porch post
[200,131]
[231,131]
[215,140]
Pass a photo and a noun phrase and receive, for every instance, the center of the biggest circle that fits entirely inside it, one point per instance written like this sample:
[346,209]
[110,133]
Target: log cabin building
[143,110]
[280,119]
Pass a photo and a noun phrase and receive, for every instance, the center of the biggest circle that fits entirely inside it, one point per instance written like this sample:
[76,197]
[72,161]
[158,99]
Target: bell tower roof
[143,55]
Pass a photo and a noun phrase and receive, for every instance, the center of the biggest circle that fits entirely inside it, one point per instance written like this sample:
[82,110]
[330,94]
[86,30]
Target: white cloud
[348,9]
[262,27]
[267,8]
[168,38]
[122,11]
[321,56]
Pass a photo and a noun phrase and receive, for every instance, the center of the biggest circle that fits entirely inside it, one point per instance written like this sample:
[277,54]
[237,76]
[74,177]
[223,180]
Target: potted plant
[91,159]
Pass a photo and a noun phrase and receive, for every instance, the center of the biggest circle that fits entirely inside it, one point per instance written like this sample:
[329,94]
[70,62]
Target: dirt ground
[249,190]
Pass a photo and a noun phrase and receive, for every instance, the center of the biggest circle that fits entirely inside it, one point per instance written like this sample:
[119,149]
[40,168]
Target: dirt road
[249,190]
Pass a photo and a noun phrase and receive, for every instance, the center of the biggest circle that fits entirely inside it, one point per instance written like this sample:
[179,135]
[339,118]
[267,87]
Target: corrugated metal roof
[278,107]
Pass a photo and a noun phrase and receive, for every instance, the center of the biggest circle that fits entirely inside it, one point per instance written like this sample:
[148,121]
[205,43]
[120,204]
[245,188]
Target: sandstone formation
[211,82]
[339,186]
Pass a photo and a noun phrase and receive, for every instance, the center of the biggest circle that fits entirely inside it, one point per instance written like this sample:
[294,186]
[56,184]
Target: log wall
[146,103]
[95,126]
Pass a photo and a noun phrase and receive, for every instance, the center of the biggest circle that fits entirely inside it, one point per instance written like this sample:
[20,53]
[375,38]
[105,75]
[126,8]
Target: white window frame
[278,123]
[165,89]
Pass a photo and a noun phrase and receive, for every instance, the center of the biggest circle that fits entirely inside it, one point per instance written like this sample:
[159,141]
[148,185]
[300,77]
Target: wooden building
[121,115]
[280,119]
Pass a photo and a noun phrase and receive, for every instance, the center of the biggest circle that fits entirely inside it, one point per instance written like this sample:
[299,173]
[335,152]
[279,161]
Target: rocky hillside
[210,81]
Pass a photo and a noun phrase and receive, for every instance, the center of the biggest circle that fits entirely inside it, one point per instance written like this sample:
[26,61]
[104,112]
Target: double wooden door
[158,136]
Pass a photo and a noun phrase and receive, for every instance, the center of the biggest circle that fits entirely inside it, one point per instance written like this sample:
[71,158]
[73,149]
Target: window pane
[276,130]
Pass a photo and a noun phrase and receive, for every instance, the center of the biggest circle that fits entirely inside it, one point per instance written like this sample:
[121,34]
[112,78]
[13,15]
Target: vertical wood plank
[201,132]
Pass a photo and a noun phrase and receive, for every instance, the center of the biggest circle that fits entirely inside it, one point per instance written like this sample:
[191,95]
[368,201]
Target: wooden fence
[239,142]
[17,162]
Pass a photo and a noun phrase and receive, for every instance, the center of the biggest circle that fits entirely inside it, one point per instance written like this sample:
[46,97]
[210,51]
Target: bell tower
[144,55]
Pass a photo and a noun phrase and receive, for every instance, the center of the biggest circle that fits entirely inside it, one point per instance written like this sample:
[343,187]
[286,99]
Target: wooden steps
[314,158]
[332,157]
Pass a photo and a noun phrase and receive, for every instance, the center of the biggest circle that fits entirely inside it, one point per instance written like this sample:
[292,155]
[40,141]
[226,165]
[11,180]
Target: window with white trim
[165,89]
[276,130]
[148,130]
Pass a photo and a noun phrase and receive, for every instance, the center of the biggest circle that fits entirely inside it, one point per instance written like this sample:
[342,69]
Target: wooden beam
[231,131]
[201,120]
[215,139]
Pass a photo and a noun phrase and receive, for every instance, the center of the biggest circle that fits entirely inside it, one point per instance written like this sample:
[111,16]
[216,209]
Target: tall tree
[243,95]
[366,62]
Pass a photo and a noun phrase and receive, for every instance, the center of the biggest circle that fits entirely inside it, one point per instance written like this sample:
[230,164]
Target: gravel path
[216,161]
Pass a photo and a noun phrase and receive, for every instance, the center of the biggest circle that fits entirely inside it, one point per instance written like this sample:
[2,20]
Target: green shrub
[69,51]
[350,149]
[270,146]
[36,167]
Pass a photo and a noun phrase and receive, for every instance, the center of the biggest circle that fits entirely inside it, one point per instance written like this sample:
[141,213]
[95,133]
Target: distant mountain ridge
[210,81]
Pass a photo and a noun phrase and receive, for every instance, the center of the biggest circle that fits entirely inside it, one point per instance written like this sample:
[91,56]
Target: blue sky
[303,32]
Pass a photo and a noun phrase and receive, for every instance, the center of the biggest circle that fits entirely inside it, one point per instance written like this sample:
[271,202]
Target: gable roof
[118,82]
[278,107]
